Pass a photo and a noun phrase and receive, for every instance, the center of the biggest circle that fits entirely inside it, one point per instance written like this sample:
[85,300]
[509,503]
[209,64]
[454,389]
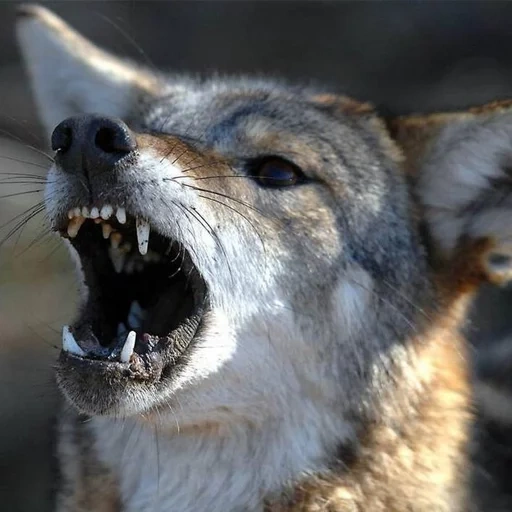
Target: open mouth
[145,298]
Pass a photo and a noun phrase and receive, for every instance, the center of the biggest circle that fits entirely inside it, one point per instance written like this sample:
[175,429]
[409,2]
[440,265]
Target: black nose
[91,143]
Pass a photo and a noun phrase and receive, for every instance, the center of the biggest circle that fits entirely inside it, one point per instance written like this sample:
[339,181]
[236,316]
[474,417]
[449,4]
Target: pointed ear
[460,165]
[70,75]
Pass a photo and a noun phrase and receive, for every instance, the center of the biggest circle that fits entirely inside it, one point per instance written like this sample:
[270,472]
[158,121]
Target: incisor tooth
[115,240]
[128,347]
[71,214]
[69,344]
[143,230]
[121,215]
[85,212]
[95,213]
[74,226]
[106,212]
[77,212]
[106,230]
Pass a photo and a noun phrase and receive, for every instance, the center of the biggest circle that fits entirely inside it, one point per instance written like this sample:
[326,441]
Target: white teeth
[74,226]
[106,212]
[118,258]
[115,240]
[85,212]
[69,344]
[143,230]
[106,230]
[128,347]
[136,315]
[75,212]
[121,329]
[95,213]
[121,215]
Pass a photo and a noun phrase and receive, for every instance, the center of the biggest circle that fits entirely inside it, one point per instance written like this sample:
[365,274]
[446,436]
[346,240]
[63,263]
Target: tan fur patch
[415,455]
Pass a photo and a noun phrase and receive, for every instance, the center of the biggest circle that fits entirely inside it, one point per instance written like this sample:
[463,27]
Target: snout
[91,144]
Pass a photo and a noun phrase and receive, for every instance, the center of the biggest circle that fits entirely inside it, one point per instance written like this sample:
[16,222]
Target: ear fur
[70,75]
[460,164]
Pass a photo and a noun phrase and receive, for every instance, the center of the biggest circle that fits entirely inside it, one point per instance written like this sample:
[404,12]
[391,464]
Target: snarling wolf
[274,279]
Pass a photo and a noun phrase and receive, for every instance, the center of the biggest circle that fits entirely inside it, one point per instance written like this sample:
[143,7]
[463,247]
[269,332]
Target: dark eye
[276,172]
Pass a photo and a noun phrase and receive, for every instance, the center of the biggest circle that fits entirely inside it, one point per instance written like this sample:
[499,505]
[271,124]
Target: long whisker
[21,141]
[241,215]
[20,193]
[130,39]
[26,162]
[40,204]
[22,223]
[225,196]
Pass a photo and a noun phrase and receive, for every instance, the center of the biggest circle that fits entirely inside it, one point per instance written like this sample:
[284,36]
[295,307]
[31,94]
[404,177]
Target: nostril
[62,138]
[105,140]
[114,137]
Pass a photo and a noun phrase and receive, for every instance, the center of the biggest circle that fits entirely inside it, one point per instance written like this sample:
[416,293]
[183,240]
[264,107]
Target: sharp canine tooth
[106,212]
[115,240]
[117,258]
[106,229]
[121,215]
[143,230]
[74,226]
[71,214]
[128,347]
[69,344]
[85,212]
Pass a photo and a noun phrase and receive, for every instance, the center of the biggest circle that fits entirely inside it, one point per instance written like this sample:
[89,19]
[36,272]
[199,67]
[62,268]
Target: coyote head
[248,247]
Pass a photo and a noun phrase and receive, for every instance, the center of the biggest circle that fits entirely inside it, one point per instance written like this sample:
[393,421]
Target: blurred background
[402,56]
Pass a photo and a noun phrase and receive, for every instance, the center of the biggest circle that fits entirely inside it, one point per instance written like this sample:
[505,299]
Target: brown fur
[419,457]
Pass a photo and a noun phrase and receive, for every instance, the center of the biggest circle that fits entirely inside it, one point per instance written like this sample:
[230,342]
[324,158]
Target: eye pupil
[277,173]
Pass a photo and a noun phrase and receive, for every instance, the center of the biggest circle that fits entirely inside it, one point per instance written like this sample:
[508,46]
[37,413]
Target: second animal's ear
[70,75]
[460,165]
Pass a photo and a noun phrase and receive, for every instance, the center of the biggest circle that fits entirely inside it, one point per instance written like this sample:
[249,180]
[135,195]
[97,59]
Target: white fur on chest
[204,471]
[280,407]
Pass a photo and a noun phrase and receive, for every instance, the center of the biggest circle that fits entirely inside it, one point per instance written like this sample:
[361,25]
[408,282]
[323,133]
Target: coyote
[274,279]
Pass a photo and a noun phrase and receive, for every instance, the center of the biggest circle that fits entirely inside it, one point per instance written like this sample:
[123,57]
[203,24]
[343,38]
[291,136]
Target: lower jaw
[98,387]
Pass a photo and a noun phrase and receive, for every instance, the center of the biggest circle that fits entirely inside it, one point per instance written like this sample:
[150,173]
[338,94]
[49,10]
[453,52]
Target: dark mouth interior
[160,295]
